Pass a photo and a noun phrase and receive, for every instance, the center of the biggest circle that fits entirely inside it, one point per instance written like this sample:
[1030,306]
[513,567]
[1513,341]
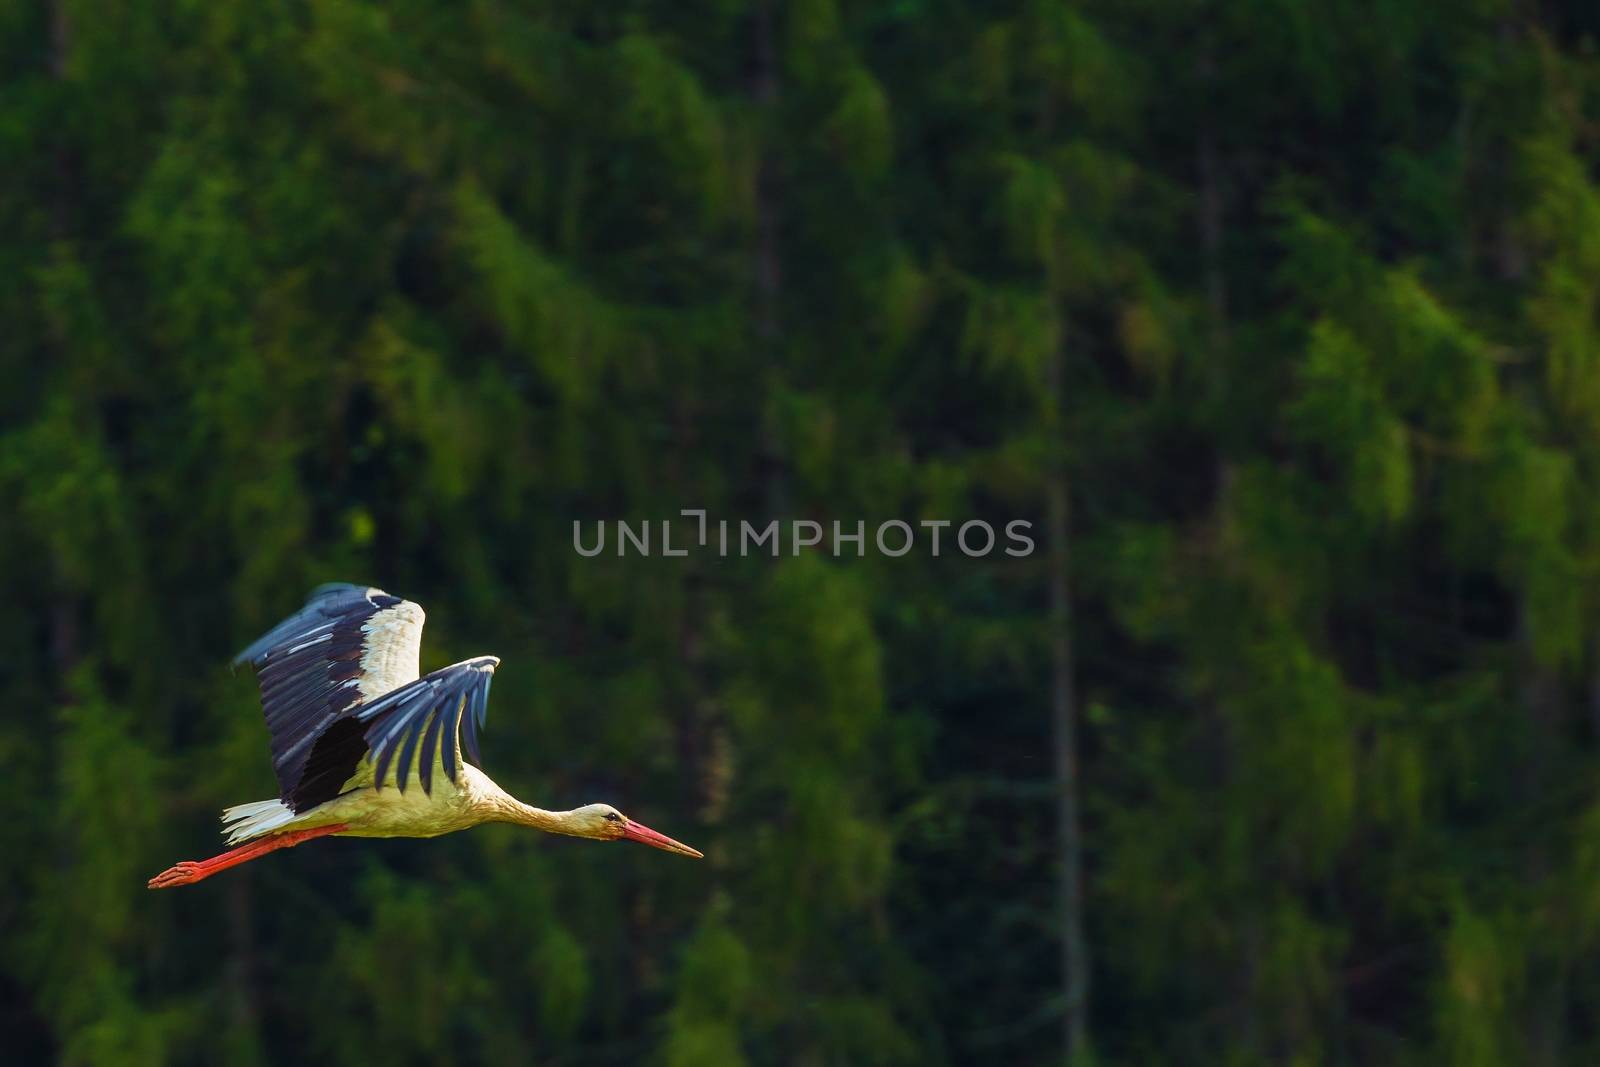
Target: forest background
[1278,322]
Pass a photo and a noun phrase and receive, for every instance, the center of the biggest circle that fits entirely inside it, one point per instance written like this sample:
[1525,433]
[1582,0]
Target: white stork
[349,717]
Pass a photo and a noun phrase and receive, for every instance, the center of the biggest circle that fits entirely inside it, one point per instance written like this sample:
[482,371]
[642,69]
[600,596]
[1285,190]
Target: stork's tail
[245,821]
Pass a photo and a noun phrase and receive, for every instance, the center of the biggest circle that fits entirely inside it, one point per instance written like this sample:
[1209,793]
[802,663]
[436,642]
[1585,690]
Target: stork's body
[363,747]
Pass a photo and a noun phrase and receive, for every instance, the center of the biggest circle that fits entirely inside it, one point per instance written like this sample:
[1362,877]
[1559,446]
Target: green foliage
[1343,406]
[554,320]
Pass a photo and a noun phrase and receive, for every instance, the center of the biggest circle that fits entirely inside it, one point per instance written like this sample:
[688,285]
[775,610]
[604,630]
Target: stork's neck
[500,806]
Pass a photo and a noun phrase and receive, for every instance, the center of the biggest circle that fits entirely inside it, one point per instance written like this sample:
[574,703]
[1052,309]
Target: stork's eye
[612,816]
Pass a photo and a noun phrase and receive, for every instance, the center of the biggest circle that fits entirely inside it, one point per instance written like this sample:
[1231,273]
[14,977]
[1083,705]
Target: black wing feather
[430,741]
[334,758]
[428,712]
[452,722]
[408,748]
[473,719]
[309,669]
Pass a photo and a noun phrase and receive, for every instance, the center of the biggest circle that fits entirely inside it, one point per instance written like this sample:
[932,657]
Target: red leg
[190,871]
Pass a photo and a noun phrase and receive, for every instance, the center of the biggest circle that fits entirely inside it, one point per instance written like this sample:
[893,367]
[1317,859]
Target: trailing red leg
[190,871]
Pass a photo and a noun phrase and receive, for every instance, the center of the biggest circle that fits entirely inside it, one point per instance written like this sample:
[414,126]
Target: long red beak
[633,831]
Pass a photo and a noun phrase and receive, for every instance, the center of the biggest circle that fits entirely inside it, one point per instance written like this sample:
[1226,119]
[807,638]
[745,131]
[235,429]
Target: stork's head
[605,823]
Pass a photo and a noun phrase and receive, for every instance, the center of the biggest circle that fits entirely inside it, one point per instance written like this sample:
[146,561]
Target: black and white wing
[441,712]
[349,645]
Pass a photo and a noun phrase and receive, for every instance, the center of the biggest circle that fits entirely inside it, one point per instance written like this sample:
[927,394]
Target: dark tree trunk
[768,266]
[1064,724]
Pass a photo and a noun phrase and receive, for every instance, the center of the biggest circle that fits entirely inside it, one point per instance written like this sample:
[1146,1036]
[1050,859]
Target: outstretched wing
[441,711]
[349,645]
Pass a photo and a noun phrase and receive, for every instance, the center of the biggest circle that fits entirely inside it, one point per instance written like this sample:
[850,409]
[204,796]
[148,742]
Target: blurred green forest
[1279,321]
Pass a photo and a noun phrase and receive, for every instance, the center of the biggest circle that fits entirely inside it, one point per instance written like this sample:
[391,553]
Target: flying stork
[363,747]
